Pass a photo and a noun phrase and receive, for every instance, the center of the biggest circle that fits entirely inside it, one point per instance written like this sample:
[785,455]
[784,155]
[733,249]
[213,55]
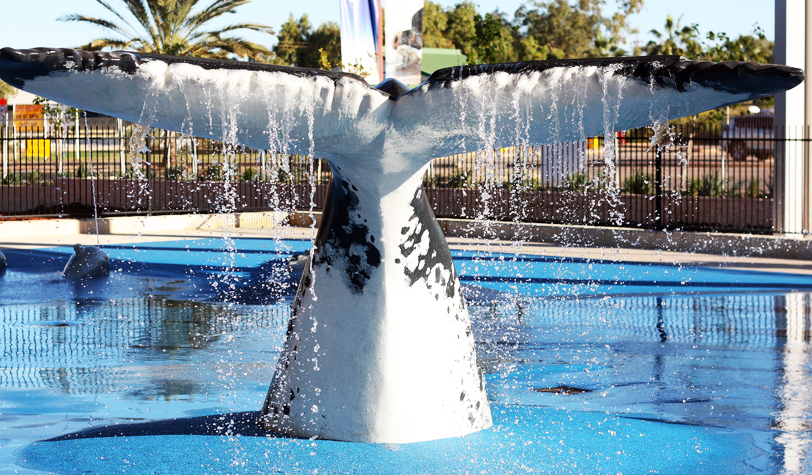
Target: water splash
[92,178]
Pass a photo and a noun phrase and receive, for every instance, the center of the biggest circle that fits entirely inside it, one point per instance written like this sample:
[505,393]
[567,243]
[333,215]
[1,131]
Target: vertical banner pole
[360,37]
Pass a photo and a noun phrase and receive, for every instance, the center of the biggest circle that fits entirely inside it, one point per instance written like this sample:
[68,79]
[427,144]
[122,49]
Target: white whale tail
[379,346]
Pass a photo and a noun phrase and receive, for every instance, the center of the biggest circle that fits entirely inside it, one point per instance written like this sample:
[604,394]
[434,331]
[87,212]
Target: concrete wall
[20,229]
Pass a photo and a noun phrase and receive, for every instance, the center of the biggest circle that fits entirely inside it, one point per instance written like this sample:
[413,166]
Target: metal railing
[693,179]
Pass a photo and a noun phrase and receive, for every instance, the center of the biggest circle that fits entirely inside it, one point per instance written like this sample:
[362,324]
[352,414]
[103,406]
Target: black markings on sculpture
[343,241]
[26,64]
[423,225]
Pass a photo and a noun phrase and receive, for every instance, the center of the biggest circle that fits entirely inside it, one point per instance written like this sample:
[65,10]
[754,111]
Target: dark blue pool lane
[201,263]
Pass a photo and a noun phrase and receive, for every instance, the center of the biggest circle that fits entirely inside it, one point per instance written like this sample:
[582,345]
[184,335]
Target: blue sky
[32,23]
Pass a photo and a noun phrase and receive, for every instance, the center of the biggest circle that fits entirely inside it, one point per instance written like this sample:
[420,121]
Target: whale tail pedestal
[379,347]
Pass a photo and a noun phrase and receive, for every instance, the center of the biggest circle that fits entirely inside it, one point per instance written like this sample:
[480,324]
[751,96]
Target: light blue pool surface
[160,367]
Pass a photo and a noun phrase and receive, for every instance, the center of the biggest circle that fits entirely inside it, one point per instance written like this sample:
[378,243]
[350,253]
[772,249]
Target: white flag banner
[360,30]
[404,40]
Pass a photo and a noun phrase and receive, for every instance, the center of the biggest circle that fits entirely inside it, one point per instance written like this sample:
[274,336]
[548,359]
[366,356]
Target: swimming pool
[591,366]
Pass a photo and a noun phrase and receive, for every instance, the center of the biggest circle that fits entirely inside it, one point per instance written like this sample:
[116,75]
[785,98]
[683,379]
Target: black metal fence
[685,178]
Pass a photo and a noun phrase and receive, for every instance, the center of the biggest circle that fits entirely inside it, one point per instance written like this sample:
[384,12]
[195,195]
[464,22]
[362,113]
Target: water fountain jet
[379,346]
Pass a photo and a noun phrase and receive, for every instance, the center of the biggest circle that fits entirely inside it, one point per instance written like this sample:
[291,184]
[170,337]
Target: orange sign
[28,116]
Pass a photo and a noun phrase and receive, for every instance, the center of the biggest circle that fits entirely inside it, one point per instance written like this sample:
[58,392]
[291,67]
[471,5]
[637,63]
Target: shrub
[522,183]
[213,172]
[134,173]
[13,178]
[754,188]
[639,183]
[709,185]
[249,175]
[33,178]
[176,173]
[82,171]
[581,183]
[460,179]
[577,182]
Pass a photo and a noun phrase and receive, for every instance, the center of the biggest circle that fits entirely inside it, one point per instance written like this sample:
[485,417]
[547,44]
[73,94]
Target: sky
[33,23]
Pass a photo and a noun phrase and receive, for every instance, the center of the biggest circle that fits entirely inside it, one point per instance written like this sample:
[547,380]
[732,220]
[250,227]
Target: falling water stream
[92,176]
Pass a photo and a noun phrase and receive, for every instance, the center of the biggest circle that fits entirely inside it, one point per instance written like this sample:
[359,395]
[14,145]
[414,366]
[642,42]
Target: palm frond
[102,43]
[216,9]
[139,11]
[94,21]
[238,26]
[114,12]
[237,46]
[171,27]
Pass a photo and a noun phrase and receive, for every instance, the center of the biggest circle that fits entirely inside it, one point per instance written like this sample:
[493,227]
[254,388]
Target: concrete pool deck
[768,253]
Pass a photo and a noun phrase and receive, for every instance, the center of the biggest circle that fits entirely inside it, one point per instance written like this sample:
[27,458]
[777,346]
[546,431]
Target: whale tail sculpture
[379,346]
[87,261]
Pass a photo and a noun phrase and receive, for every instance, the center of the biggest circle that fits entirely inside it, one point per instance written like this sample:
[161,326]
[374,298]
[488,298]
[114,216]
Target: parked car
[749,135]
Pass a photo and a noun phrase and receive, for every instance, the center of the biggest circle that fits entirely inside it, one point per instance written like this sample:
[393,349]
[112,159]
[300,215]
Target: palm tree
[171,27]
[678,39]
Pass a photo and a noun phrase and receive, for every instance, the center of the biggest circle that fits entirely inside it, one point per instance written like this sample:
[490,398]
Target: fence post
[5,150]
[659,221]
[15,143]
[62,136]
[76,138]
[195,162]
[122,162]
[148,166]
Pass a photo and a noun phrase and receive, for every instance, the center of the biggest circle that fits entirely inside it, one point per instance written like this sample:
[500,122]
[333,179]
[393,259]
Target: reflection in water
[793,418]
[82,346]
[736,361]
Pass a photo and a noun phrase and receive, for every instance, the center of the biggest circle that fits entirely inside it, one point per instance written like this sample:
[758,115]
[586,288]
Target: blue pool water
[673,369]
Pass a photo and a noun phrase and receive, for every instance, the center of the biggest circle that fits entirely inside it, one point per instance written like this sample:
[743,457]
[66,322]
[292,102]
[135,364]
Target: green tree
[685,41]
[494,40]
[676,39]
[487,39]
[461,26]
[7,91]
[300,45]
[435,22]
[540,29]
[566,30]
[291,39]
[755,47]
[175,27]
[325,39]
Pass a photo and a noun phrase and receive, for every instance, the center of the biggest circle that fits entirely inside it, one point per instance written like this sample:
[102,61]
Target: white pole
[807,166]
[788,178]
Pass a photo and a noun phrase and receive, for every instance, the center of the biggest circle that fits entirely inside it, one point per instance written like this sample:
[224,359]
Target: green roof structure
[439,58]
